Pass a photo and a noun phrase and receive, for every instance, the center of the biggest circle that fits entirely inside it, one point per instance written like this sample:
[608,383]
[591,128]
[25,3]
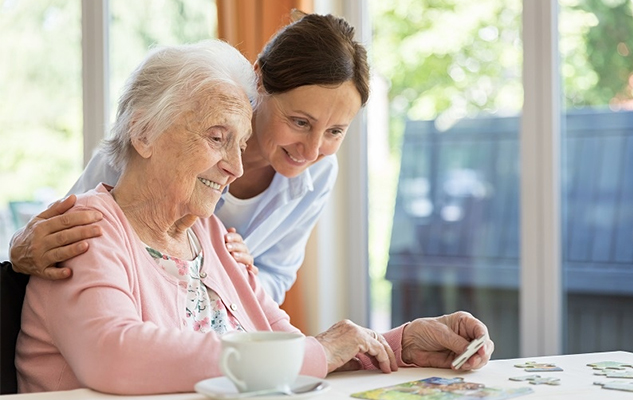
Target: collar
[289,188]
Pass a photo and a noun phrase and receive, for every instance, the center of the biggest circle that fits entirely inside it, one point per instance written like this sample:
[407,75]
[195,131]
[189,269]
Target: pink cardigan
[116,325]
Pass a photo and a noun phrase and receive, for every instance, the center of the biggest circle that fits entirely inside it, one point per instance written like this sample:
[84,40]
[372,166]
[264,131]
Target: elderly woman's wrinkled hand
[435,342]
[51,237]
[344,340]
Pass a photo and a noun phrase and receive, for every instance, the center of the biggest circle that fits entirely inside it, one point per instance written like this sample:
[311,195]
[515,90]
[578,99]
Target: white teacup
[262,360]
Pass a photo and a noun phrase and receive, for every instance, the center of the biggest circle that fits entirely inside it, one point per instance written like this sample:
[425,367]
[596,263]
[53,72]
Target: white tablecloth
[577,381]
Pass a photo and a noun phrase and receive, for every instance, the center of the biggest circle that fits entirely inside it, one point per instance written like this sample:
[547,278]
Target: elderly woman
[148,319]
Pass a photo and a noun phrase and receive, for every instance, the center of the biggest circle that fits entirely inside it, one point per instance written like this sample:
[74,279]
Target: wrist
[405,344]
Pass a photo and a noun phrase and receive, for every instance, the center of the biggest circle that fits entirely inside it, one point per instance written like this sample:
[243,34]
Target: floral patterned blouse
[205,311]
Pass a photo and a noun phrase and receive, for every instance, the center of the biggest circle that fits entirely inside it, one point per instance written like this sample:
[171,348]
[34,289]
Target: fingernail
[97,215]
[229,246]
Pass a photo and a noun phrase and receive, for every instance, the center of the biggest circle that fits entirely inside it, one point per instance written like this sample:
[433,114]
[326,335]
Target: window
[455,98]
[597,170]
[455,94]
[41,71]
[40,117]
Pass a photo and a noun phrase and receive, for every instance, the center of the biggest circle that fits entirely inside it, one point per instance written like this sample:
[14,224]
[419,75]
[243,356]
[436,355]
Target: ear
[139,139]
[258,73]
[142,146]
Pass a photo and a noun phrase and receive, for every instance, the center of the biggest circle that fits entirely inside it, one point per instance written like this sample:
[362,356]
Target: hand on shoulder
[53,236]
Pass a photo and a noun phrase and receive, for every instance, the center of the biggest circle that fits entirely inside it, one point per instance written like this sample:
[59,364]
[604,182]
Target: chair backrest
[12,291]
[22,211]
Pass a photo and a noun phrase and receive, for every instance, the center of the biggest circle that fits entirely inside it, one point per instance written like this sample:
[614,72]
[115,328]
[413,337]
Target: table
[576,381]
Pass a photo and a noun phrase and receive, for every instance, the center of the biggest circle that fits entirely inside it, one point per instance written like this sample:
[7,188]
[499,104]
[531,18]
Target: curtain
[247,25]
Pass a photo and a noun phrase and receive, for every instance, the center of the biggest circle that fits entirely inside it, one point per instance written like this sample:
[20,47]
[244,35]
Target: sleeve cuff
[314,361]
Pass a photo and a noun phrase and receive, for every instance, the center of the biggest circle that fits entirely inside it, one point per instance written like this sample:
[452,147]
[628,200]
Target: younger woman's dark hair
[314,50]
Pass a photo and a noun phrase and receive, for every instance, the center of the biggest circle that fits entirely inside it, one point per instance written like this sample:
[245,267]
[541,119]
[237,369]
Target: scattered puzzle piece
[609,365]
[525,378]
[615,374]
[545,381]
[532,366]
[616,385]
[536,380]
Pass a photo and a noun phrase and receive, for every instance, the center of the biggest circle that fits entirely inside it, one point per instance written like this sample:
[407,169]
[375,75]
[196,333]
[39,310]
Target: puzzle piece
[525,378]
[609,365]
[442,388]
[545,381]
[615,374]
[537,380]
[532,366]
[616,385]
[435,380]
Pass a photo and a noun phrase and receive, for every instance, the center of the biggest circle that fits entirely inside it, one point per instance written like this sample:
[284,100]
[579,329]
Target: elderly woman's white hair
[164,85]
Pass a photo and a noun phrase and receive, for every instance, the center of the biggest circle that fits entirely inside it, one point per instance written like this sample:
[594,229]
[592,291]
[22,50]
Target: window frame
[95,60]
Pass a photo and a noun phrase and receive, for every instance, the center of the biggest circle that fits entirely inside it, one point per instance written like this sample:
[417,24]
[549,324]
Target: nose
[311,146]
[231,163]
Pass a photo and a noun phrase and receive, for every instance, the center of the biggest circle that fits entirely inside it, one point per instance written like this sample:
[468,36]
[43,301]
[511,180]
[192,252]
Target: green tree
[447,59]
[599,67]
[40,87]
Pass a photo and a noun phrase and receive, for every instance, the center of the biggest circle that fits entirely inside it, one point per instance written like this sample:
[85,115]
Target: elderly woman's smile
[212,185]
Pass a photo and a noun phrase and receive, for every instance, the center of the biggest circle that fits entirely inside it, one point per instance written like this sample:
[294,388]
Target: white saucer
[222,388]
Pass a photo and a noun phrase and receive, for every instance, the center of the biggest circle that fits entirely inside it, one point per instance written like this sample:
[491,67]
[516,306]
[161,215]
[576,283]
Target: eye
[215,135]
[337,132]
[301,123]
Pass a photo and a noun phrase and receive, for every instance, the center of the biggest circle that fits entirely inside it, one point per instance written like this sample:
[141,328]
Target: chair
[12,291]
[22,211]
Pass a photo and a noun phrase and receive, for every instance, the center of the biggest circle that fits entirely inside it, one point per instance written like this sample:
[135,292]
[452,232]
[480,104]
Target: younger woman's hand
[51,237]
[238,249]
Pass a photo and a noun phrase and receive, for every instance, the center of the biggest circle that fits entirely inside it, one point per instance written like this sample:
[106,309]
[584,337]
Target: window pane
[454,76]
[40,117]
[597,184]
[138,25]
